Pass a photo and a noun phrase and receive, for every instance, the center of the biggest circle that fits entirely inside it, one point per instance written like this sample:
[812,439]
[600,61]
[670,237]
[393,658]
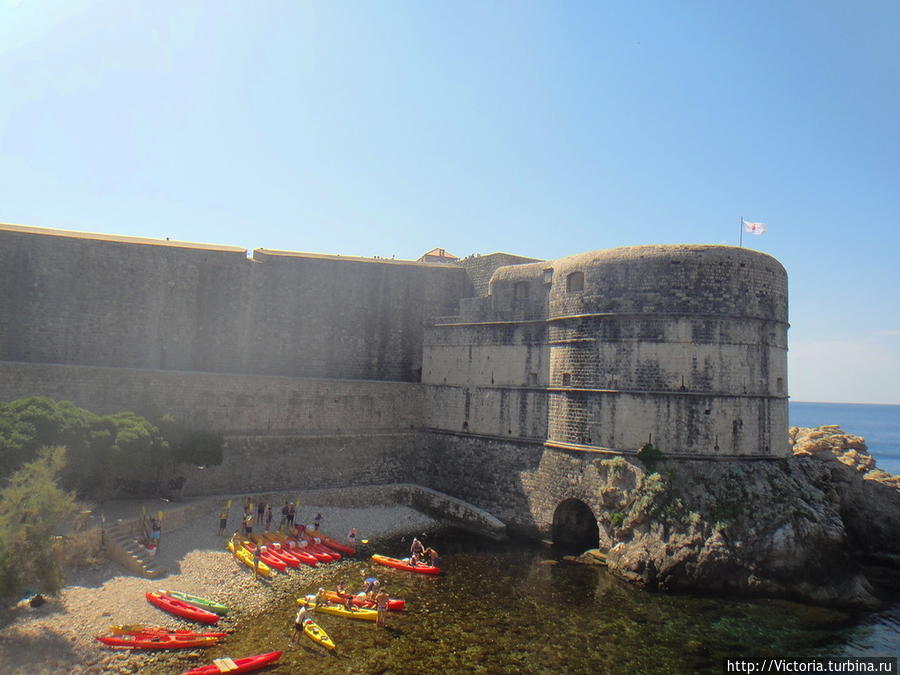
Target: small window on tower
[779,385]
[548,275]
[567,379]
[575,282]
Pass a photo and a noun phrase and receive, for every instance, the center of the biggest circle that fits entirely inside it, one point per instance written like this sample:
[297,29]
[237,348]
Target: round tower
[684,346]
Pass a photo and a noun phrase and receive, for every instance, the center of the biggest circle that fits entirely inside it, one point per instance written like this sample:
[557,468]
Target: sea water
[513,607]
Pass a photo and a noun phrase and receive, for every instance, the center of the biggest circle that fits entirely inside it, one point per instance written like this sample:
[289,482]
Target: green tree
[106,454]
[32,507]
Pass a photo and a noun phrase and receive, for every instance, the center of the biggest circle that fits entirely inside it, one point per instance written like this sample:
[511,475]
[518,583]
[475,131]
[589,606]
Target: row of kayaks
[279,552]
[156,637]
[276,552]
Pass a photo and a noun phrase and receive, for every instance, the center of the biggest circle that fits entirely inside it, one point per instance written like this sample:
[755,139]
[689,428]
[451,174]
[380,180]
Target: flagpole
[741,240]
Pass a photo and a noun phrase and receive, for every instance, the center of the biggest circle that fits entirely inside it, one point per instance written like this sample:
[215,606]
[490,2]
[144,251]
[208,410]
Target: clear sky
[542,129]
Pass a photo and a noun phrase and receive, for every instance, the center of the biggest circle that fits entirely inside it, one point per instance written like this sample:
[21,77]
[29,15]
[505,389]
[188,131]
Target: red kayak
[404,565]
[361,601]
[321,554]
[330,542]
[244,665]
[291,547]
[283,554]
[158,641]
[300,554]
[266,557]
[140,629]
[181,608]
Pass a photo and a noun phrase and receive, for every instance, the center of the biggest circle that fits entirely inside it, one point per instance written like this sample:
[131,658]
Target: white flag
[754,228]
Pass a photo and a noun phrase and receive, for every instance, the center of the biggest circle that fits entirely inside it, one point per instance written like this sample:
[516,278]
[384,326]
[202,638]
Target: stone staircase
[121,538]
[121,543]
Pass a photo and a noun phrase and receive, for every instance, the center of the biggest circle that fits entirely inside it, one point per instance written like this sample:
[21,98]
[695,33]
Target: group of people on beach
[264,517]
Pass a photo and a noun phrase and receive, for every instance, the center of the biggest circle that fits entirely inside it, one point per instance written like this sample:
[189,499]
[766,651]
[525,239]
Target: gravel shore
[58,637]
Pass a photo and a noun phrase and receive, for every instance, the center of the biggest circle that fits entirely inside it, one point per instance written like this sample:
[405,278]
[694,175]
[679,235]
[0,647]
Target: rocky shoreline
[798,528]
[58,637]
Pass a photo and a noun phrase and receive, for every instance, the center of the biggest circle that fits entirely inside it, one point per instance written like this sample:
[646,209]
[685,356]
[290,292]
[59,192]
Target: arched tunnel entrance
[575,526]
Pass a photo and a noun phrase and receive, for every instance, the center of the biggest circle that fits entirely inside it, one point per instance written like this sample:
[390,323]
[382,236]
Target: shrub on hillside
[32,507]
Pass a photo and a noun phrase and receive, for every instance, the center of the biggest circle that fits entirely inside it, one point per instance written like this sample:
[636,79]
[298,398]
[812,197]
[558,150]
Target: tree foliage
[32,506]
[106,454]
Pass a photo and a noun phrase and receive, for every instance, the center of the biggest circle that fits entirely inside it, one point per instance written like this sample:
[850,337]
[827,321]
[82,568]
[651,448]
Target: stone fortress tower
[681,346]
[331,371]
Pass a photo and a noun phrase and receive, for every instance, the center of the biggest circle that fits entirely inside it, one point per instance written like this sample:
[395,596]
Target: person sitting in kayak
[431,557]
[346,597]
[371,587]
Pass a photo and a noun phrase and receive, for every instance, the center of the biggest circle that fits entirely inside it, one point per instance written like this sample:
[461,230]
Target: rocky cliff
[801,527]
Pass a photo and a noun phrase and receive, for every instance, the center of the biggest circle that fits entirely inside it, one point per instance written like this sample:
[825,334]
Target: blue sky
[542,129]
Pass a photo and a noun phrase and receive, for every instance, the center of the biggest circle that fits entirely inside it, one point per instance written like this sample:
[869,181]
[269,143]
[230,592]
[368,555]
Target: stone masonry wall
[83,299]
[267,463]
[226,403]
[481,268]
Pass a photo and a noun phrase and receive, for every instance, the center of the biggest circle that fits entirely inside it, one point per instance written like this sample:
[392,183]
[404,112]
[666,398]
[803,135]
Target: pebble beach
[58,637]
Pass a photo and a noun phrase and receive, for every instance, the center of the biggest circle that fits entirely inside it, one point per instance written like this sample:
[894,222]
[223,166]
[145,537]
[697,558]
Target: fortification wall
[682,345]
[227,403]
[507,412]
[265,463]
[77,298]
[482,267]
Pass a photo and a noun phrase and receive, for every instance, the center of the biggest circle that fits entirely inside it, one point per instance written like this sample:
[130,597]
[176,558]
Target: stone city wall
[226,403]
[84,299]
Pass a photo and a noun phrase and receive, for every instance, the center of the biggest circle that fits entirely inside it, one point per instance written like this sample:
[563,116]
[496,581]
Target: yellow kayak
[244,556]
[356,613]
[316,634]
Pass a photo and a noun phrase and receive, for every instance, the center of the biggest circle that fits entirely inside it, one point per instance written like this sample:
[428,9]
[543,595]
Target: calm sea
[878,424]
[505,608]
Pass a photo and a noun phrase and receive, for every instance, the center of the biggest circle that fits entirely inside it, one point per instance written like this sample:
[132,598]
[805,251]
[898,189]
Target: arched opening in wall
[575,282]
[575,526]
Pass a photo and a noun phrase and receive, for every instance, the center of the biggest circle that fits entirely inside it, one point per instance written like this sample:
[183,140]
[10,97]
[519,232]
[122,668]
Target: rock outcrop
[798,527]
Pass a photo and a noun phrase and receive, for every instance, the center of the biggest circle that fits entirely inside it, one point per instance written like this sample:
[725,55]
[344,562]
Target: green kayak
[212,606]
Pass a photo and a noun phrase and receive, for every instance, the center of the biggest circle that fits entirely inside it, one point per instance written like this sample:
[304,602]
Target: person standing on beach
[260,511]
[381,604]
[299,619]
[317,521]
[268,517]
[248,523]
[155,532]
[223,520]
[284,515]
[256,554]
[292,512]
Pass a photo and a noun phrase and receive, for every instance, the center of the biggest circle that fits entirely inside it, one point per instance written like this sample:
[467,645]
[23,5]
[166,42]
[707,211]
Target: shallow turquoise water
[502,609]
